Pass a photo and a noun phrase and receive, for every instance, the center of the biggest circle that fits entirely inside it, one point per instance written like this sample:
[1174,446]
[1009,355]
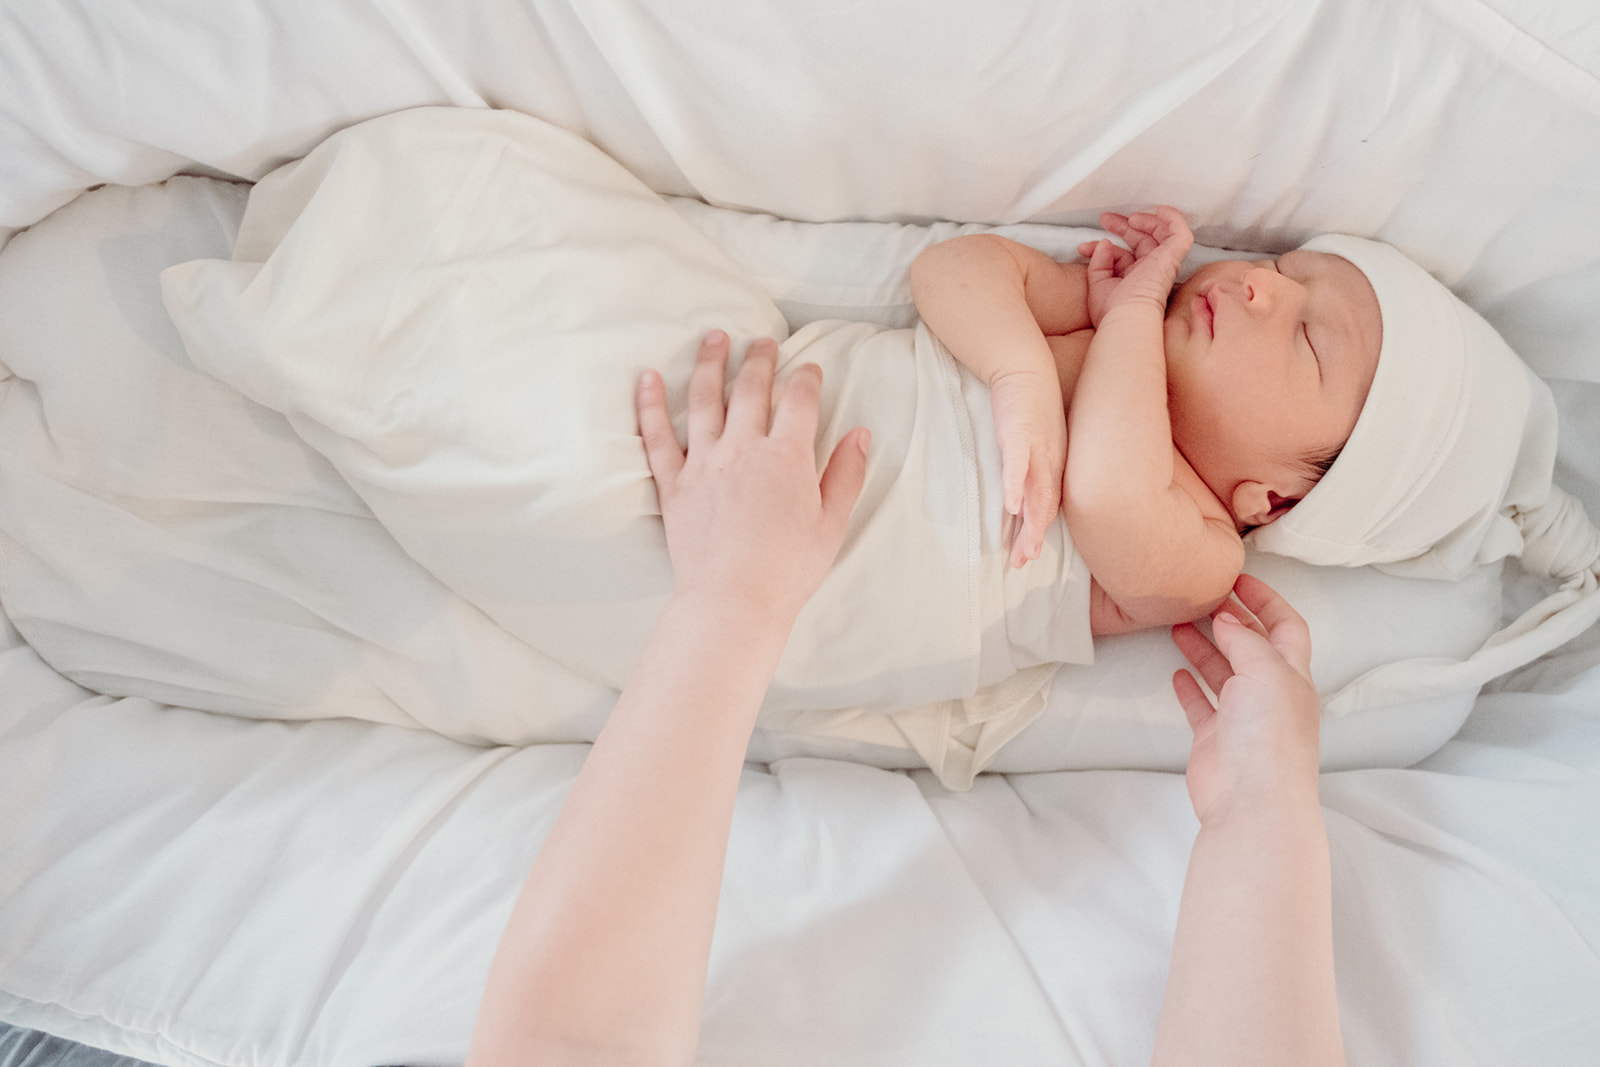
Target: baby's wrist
[1135,306]
[1028,372]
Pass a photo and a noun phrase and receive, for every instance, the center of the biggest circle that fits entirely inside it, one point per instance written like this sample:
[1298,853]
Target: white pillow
[1267,122]
[162,536]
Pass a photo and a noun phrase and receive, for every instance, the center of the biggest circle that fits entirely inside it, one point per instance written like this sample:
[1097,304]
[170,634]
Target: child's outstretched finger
[750,405]
[707,409]
[842,480]
[1204,656]
[795,414]
[661,448]
[1197,707]
[1286,630]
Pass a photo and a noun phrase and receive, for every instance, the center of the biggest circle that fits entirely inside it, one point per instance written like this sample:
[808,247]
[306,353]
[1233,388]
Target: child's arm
[1136,515]
[1252,978]
[604,956]
[993,302]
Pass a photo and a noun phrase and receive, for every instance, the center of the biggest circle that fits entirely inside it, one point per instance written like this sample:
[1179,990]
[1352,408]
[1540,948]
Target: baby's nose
[1264,288]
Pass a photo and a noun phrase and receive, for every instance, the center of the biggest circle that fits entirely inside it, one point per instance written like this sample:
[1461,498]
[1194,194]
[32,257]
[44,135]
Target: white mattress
[216,887]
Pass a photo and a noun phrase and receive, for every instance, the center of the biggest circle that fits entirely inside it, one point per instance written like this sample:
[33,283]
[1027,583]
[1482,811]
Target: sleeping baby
[1196,413]
[453,308]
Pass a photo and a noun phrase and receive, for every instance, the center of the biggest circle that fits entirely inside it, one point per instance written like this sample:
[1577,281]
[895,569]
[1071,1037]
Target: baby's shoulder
[1184,476]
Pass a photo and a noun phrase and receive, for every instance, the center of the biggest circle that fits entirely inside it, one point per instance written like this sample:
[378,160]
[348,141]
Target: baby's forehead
[1336,275]
[1339,270]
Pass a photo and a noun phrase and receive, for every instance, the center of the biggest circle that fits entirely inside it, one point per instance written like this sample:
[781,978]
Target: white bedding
[198,888]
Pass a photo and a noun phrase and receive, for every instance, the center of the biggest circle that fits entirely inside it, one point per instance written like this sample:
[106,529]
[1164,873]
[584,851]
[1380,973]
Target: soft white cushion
[209,546]
[1462,134]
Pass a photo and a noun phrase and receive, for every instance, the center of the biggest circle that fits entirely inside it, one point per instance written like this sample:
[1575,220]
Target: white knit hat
[1451,460]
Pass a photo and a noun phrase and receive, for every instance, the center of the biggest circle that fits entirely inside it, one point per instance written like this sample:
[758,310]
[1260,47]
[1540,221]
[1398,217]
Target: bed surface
[219,887]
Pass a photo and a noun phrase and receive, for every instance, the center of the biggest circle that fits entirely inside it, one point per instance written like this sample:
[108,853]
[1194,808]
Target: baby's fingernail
[1227,616]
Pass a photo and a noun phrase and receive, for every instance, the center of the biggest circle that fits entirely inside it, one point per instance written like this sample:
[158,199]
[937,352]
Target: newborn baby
[1337,404]
[1196,413]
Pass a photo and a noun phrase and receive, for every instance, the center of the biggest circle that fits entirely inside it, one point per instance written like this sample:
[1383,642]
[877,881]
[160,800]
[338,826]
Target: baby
[1187,416]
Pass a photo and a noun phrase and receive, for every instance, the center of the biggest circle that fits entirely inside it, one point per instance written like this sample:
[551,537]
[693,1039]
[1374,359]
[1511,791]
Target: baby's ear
[1254,504]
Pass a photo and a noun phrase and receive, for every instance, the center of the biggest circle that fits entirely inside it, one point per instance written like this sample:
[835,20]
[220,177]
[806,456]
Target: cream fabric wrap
[452,307]
[1450,465]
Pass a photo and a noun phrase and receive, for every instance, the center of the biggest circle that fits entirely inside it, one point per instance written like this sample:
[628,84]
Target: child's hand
[746,515]
[1146,270]
[1030,425]
[1258,746]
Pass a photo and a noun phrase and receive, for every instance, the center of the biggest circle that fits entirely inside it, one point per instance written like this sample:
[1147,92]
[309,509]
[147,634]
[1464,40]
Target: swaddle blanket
[453,306]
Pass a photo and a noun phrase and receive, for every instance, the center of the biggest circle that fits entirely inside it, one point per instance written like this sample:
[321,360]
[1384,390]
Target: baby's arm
[1252,977]
[993,302]
[1138,521]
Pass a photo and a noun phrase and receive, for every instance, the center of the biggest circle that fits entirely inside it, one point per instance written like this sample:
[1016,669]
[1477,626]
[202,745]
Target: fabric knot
[1558,538]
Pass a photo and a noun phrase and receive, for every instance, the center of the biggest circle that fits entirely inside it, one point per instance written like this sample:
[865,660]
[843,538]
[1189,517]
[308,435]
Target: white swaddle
[453,306]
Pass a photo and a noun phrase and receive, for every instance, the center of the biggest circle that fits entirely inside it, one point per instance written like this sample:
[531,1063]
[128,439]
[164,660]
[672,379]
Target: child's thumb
[842,480]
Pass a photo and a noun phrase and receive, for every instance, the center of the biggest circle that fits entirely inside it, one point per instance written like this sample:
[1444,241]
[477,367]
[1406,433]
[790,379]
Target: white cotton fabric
[202,890]
[453,307]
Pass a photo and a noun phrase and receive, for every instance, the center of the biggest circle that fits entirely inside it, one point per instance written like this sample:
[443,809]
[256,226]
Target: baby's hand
[1258,746]
[1146,270]
[1031,427]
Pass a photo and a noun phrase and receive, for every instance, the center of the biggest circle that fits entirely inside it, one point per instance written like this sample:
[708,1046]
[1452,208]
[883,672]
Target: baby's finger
[1038,511]
[1013,472]
[750,405]
[1204,656]
[707,409]
[796,411]
[1173,221]
[1142,233]
[661,448]
[1114,222]
[1103,261]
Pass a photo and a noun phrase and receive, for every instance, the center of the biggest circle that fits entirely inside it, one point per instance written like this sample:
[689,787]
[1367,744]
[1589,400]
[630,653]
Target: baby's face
[1268,365]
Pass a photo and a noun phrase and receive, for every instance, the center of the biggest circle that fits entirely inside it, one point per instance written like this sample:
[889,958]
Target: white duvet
[446,311]
[203,889]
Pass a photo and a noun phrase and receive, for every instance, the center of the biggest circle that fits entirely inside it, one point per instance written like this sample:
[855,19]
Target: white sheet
[165,871]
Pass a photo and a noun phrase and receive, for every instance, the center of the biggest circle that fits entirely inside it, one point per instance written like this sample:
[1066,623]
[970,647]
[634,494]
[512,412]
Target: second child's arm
[1252,974]
[1137,514]
[604,957]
